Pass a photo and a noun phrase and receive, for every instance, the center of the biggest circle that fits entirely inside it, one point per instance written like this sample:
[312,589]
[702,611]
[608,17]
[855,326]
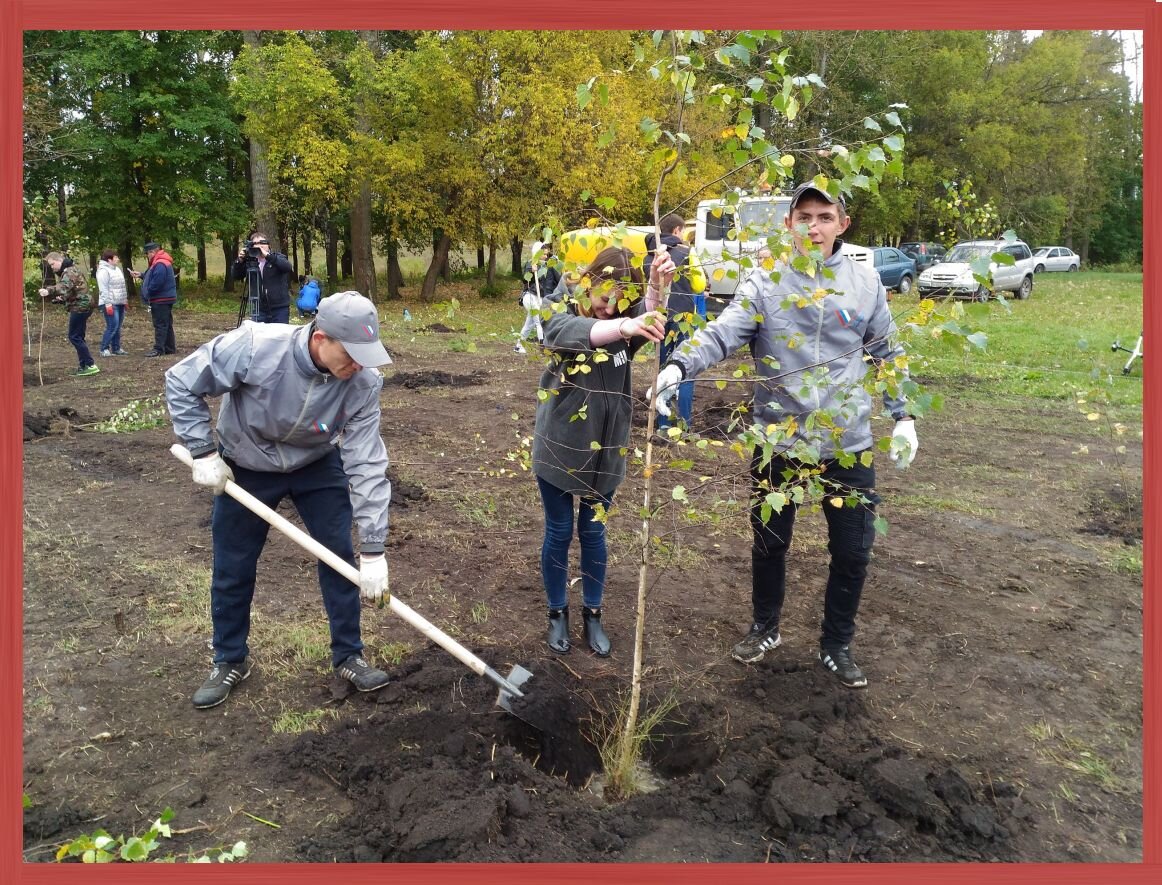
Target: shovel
[509,688]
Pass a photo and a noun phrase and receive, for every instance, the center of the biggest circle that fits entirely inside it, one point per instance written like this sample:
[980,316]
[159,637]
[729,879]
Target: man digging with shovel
[299,417]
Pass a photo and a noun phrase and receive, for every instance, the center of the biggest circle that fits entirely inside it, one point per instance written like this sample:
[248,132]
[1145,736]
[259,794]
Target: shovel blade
[517,677]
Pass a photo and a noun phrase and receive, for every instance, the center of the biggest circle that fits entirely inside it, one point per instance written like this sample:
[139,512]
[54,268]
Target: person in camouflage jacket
[72,289]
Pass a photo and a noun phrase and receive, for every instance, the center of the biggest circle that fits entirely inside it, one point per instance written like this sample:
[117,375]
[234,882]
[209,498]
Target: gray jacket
[280,412]
[831,335]
[563,455]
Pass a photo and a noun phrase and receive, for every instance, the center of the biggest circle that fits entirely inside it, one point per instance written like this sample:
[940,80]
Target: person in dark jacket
[592,340]
[274,273]
[159,292]
[680,308]
[73,291]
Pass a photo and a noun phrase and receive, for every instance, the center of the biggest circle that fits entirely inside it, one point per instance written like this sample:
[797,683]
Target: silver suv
[953,275]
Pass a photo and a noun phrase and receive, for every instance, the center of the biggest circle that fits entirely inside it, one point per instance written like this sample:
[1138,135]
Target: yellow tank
[579,247]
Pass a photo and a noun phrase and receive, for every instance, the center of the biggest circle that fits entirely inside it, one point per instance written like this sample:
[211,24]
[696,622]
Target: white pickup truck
[725,231]
[953,275]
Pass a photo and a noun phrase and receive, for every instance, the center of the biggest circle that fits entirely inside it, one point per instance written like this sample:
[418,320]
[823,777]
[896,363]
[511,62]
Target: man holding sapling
[815,332]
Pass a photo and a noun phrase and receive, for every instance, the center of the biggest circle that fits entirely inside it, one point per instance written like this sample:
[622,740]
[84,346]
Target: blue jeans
[111,340]
[319,492]
[558,507]
[77,324]
[674,337]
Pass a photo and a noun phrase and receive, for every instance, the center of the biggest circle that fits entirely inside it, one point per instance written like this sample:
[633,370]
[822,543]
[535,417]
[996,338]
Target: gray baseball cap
[807,188]
[353,321]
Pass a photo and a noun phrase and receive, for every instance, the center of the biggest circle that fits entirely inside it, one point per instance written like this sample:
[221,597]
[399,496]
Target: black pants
[163,337]
[850,532]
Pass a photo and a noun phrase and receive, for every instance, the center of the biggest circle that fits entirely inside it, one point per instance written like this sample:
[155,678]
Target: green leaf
[869,123]
[584,96]
[894,143]
[678,493]
[594,445]
[978,339]
[881,525]
[893,118]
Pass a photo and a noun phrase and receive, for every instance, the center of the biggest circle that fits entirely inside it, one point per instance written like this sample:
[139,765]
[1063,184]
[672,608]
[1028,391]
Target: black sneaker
[219,684]
[760,640]
[361,674]
[838,661]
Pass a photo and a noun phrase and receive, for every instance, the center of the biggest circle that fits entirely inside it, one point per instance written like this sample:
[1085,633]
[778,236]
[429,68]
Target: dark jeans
[558,507]
[163,337]
[111,340]
[77,324]
[674,337]
[850,532]
[274,314]
[320,494]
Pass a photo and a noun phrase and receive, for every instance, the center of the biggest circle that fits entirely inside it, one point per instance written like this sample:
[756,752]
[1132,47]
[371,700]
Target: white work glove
[904,444]
[668,380]
[212,471]
[43,293]
[372,577]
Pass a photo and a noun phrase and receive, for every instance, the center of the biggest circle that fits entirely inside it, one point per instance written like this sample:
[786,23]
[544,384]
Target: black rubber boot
[559,630]
[594,633]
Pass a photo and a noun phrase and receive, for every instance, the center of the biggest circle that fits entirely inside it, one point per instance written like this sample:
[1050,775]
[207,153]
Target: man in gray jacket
[299,417]
[809,334]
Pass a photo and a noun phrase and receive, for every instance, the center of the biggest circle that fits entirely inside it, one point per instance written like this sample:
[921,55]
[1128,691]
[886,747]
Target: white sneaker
[519,349]
[106,353]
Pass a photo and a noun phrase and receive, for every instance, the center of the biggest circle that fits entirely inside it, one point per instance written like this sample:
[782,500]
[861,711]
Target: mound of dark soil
[804,776]
[415,380]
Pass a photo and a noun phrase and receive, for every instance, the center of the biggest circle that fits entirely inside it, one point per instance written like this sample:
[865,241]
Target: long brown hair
[612,265]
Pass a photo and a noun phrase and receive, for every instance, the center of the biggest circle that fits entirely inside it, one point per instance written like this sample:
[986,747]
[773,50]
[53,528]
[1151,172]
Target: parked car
[1056,258]
[953,276]
[897,271]
[925,254]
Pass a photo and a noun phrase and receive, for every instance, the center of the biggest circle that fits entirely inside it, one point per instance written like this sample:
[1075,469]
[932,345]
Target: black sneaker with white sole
[220,683]
[361,674]
[760,639]
[839,661]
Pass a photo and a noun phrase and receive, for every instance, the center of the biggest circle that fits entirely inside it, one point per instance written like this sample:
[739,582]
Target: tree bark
[439,259]
[395,281]
[362,262]
[264,217]
[332,254]
[202,260]
[229,253]
[490,277]
[517,248]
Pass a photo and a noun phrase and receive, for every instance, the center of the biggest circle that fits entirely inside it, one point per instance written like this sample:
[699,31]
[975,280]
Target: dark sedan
[897,271]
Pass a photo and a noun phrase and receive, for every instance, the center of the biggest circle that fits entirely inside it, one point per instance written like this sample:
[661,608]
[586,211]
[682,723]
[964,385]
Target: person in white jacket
[542,281]
[112,300]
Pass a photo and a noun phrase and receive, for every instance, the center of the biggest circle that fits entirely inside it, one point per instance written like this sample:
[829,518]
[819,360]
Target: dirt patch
[1001,646]
[416,380]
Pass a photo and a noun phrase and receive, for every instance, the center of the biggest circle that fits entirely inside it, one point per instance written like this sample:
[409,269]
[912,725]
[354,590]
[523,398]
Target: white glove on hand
[904,444]
[668,380]
[373,577]
[212,471]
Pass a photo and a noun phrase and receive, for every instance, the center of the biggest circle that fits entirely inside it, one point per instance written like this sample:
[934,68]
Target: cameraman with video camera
[272,279]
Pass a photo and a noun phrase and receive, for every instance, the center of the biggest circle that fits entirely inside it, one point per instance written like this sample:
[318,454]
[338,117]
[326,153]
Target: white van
[719,228]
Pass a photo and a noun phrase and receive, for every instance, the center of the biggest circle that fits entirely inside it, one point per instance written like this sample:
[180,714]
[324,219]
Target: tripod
[248,306]
[1135,352]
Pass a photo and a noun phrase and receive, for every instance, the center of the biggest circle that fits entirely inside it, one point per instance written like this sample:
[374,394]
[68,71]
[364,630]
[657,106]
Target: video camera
[251,252]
